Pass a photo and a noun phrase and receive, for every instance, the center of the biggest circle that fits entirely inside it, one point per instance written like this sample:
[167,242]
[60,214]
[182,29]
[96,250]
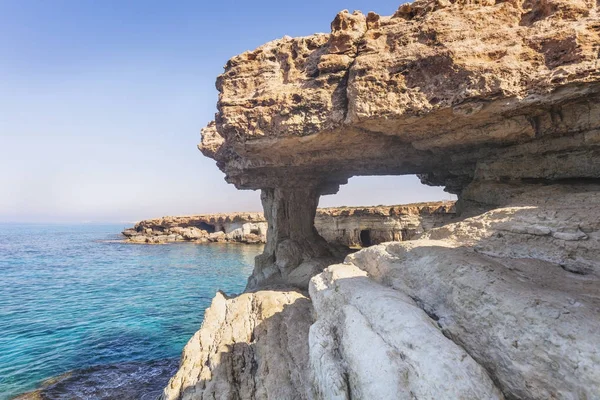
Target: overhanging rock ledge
[480,97]
[498,101]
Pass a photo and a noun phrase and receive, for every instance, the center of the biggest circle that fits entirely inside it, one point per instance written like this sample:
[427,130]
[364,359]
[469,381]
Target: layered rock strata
[497,101]
[465,94]
[477,309]
[365,226]
[346,226]
[508,300]
[385,347]
[233,227]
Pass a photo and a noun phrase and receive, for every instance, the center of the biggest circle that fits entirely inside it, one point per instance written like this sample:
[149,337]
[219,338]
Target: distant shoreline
[346,226]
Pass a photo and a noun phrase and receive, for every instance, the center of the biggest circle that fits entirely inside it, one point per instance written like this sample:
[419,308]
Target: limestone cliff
[346,226]
[365,226]
[232,227]
[253,346]
[501,305]
[498,101]
[452,90]
[465,94]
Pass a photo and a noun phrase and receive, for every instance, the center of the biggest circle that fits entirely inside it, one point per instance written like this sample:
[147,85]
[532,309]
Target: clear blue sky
[101,105]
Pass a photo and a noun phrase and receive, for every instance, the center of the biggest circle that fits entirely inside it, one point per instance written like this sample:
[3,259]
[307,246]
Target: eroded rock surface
[372,342]
[232,227]
[365,226]
[339,225]
[495,284]
[452,90]
[473,96]
[254,346]
[498,101]
[505,304]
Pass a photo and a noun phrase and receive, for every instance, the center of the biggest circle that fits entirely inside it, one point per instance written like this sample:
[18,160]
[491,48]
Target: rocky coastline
[344,226]
[498,102]
[209,228]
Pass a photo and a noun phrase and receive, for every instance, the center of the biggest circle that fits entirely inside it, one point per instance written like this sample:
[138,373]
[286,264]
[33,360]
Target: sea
[84,315]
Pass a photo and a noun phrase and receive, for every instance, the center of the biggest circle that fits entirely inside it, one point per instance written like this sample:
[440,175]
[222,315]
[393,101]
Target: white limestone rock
[253,346]
[372,342]
[497,285]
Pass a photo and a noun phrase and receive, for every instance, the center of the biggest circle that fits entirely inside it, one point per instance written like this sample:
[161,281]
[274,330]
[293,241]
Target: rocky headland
[497,101]
[232,227]
[345,226]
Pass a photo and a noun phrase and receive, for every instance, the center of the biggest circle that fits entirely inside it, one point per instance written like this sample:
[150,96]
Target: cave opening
[365,238]
[207,227]
[368,210]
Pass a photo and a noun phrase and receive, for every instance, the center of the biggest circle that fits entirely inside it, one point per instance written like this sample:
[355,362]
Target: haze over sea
[73,297]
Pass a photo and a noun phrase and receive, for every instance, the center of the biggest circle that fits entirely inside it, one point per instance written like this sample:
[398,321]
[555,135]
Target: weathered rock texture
[365,226]
[498,286]
[501,305]
[371,342]
[234,227]
[254,346]
[465,94]
[451,90]
[347,226]
[498,101]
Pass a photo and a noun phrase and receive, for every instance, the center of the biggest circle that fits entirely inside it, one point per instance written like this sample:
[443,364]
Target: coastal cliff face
[498,102]
[345,226]
[480,97]
[419,316]
[366,226]
[232,227]
[505,304]
[253,346]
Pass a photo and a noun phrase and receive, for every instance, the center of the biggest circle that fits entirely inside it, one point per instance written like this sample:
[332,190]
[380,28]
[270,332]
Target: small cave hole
[365,238]
[207,227]
[255,231]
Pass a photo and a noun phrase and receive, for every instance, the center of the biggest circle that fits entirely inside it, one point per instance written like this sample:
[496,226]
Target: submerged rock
[142,380]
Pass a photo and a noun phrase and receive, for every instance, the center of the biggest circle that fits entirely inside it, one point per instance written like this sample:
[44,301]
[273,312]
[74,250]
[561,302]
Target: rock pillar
[294,251]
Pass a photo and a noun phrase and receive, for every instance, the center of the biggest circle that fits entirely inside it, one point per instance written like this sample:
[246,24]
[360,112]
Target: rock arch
[404,94]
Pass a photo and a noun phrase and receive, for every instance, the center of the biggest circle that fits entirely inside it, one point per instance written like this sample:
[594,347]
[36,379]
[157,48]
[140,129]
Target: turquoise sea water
[72,299]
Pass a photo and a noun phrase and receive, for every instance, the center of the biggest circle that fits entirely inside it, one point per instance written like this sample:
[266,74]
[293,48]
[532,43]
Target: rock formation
[497,101]
[234,227]
[365,226]
[465,94]
[386,347]
[505,304]
[345,226]
[489,288]
[254,346]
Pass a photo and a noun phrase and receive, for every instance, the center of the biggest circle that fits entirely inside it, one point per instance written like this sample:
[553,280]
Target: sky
[102,102]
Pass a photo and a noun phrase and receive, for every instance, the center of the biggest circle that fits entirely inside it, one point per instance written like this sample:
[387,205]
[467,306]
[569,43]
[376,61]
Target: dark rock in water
[125,381]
